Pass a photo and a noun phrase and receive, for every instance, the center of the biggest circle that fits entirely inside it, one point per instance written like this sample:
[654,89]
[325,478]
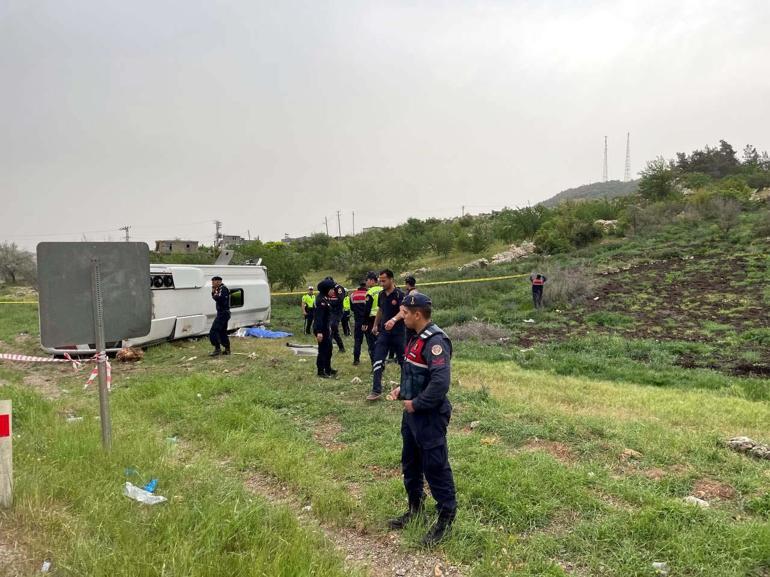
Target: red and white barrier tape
[67,359]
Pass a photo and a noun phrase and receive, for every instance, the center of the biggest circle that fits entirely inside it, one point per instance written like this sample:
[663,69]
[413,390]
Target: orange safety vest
[537,281]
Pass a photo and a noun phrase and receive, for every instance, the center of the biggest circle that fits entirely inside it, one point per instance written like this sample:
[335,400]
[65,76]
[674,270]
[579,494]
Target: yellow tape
[433,283]
[18,302]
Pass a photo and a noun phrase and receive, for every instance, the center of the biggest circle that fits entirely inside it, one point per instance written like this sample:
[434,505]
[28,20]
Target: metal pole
[6,455]
[104,400]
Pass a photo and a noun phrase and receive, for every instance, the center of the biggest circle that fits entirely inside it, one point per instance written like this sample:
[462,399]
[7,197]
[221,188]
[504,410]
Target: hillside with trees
[594,191]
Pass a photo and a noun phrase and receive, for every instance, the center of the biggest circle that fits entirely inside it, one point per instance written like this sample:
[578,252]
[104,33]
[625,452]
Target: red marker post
[6,455]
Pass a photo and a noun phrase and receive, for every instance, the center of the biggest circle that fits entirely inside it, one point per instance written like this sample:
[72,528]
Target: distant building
[288,239]
[231,240]
[176,246]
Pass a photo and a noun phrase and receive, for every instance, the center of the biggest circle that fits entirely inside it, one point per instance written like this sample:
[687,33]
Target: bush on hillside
[477,331]
[567,286]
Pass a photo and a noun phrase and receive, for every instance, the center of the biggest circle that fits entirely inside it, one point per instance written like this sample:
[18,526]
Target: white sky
[271,116]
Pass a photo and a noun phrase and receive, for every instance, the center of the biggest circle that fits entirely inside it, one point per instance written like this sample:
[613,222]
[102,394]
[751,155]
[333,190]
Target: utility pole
[248,233]
[326,223]
[354,223]
[218,235]
[339,225]
[463,210]
[627,172]
[126,228]
[604,171]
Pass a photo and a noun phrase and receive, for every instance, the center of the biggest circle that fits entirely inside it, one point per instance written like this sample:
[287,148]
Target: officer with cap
[336,302]
[360,309]
[218,333]
[424,385]
[322,328]
[308,306]
[389,302]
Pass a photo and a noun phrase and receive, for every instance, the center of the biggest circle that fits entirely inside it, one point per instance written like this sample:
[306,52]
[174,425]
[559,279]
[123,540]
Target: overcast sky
[271,116]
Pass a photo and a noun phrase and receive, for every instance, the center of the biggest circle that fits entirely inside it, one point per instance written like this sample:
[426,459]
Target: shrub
[566,286]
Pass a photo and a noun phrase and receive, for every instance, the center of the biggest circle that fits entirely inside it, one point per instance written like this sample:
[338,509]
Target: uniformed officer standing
[373,289]
[218,333]
[424,385]
[537,280]
[322,328]
[360,309]
[346,315]
[308,306]
[336,310]
[410,287]
[389,303]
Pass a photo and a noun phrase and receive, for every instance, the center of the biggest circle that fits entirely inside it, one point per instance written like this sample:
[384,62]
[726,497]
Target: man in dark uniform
[360,309]
[322,319]
[389,303]
[424,385]
[537,280]
[336,311]
[410,287]
[218,333]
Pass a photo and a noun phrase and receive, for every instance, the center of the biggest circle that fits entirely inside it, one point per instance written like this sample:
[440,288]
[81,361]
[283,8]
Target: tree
[441,240]
[17,264]
[657,180]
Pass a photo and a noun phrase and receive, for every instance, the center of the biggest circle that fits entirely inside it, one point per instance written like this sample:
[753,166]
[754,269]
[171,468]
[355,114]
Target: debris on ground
[137,494]
[529,320]
[661,568]
[514,252]
[693,500]
[46,566]
[129,354]
[475,424]
[630,454]
[749,447]
[73,419]
[355,381]
[261,333]
[478,263]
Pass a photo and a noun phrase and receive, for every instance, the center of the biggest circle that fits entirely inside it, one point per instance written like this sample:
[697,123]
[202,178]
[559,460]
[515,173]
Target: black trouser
[386,341]
[309,322]
[335,326]
[425,456]
[323,361]
[537,296]
[218,333]
[371,340]
[346,323]
[358,338]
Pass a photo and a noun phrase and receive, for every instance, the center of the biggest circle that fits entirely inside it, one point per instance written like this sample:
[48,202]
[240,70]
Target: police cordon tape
[433,283]
[67,359]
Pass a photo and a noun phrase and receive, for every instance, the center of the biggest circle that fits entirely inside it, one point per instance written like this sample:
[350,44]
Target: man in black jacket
[424,385]
[322,329]
[218,333]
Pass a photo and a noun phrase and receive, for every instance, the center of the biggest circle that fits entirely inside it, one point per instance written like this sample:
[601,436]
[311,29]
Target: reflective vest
[346,303]
[309,301]
[415,373]
[537,281]
[374,293]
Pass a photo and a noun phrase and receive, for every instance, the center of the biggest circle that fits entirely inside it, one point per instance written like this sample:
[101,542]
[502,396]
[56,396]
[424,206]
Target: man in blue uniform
[336,302]
[424,385]
[322,319]
[373,289]
[218,333]
[389,302]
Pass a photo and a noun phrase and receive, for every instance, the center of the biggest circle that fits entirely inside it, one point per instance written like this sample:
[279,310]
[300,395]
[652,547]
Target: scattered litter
[438,570]
[303,360]
[46,567]
[304,350]
[151,486]
[750,447]
[307,508]
[73,419]
[171,440]
[630,454]
[489,441]
[130,354]
[526,350]
[261,333]
[692,500]
[226,371]
[661,568]
[475,424]
[133,492]
[596,298]
[199,396]
[355,381]
[188,360]
[529,320]
[251,355]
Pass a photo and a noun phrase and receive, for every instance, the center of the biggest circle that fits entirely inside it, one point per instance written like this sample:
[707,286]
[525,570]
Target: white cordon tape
[67,359]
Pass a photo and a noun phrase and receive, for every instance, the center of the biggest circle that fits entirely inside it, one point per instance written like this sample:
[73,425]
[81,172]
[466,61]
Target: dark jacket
[222,298]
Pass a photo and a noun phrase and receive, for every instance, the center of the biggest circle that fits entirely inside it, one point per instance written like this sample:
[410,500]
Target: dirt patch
[559,451]
[710,489]
[44,384]
[654,474]
[478,331]
[14,558]
[325,433]
[380,555]
[384,472]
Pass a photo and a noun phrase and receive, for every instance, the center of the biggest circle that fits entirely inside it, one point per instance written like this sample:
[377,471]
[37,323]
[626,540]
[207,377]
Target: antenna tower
[604,170]
[627,172]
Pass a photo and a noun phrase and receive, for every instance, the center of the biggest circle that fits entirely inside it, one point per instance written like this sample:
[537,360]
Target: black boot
[440,529]
[226,352]
[415,510]
[215,353]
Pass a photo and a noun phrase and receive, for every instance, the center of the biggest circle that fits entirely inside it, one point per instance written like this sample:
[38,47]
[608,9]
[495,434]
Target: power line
[126,229]
[627,171]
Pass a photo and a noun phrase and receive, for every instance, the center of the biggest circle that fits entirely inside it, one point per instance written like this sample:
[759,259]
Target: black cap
[325,286]
[417,300]
[371,275]
[216,278]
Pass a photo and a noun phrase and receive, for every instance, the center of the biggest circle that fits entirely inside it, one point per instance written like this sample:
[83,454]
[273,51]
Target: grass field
[271,471]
